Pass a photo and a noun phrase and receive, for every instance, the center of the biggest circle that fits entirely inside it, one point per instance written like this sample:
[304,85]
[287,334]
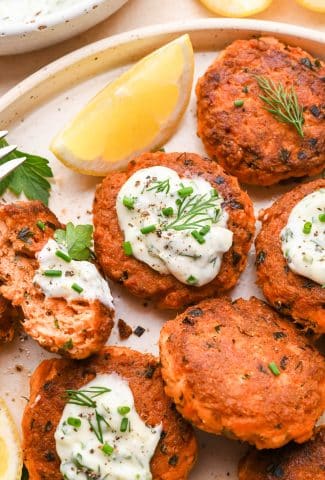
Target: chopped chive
[77,288]
[204,230]
[245,89]
[198,237]
[148,229]
[107,449]
[192,280]
[68,345]
[124,410]
[321,217]
[53,273]
[124,424]
[41,225]
[214,193]
[63,255]
[128,202]
[185,191]
[274,369]
[168,211]
[74,422]
[127,247]
[239,103]
[307,228]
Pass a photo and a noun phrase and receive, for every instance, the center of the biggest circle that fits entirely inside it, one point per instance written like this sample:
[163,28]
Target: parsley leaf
[29,177]
[77,240]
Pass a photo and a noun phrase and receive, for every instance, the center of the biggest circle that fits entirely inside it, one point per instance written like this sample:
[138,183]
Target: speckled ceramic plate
[34,111]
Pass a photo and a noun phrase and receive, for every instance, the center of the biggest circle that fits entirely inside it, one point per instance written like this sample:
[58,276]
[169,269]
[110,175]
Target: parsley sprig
[282,103]
[77,240]
[29,177]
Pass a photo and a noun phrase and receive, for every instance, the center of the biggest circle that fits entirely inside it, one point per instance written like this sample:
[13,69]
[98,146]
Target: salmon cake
[290,254]
[292,462]
[240,370]
[173,228]
[8,318]
[71,324]
[58,385]
[234,119]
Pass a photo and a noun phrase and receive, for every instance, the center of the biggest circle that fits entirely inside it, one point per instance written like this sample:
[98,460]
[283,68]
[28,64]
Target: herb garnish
[282,103]
[85,397]
[97,429]
[161,186]
[29,177]
[77,240]
[192,212]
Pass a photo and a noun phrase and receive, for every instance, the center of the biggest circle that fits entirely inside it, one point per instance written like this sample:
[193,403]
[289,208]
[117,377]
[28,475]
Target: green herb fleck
[245,89]
[123,410]
[52,273]
[307,228]
[68,345]
[206,229]
[274,369]
[77,288]
[185,191]
[192,280]
[162,186]
[29,177]
[148,229]
[41,225]
[74,422]
[127,247]
[198,237]
[128,202]
[238,103]
[63,255]
[168,211]
[107,449]
[321,217]
[124,424]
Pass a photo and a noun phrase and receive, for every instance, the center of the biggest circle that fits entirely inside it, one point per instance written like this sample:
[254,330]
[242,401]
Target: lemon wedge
[137,112]
[314,5]
[236,8]
[11,461]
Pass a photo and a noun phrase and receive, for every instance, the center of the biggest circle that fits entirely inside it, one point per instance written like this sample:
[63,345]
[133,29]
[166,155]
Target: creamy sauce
[75,274]
[303,238]
[191,249]
[12,11]
[116,454]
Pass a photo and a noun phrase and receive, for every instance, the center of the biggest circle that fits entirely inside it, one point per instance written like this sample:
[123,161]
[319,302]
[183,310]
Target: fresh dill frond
[160,186]
[193,212]
[282,103]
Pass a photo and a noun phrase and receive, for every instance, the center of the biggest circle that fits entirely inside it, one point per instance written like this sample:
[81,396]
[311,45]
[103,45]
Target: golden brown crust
[293,462]
[289,293]
[248,141]
[215,363]
[76,328]
[139,278]
[176,451]
[8,318]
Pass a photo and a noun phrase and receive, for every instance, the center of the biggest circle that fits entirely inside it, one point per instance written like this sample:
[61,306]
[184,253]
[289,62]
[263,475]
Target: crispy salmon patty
[293,462]
[239,369]
[237,131]
[75,328]
[176,450]
[289,293]
[140,279]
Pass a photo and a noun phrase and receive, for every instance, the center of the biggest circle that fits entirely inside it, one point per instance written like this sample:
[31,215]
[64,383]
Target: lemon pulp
[314,5]
[236,8]
[136,112]
[10,451]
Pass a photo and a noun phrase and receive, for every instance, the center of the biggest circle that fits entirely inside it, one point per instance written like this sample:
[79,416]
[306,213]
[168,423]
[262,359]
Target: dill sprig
[193,212]
[84,398]
[282,103]
[160,186]
[97,428]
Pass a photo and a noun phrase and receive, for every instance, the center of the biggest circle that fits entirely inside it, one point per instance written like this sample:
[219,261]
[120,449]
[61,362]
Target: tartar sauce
[78,279]
[303,238]
[12,11]
[175,225]
[106,439]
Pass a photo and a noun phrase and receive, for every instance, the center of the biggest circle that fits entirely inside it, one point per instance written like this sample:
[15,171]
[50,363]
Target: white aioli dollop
[82,273]
[303,238]
[130,452]
[168,250]
[12,11]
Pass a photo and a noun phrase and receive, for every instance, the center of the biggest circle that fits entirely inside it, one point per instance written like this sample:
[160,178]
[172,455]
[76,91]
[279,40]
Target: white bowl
[55,27]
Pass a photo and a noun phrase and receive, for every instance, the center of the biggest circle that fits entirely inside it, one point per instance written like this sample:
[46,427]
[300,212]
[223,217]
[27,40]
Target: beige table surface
[139,13]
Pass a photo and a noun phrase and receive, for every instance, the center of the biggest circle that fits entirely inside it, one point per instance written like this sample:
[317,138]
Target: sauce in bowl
[28,11]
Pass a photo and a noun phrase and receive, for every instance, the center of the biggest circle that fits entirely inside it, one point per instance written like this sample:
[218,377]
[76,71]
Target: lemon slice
[137,112]
[236,8]
[314,5]
[11,461]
